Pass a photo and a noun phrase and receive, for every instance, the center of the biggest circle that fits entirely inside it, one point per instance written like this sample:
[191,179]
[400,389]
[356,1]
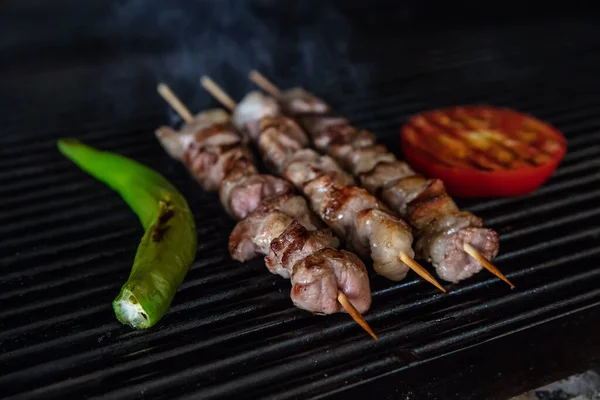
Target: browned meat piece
[431,203]
[344,145]
[176,142]
[306,165]
[299,101]
[364,159]
[338,205]
[285,126]
[217,135]
[241,193]
[295,244]
[294,206]
[327,131]
[370,230]
[441,242]
[400,193]
[317,279]
[253,235]
[383,175]
[251,109]
[210,153]
[277,143]
[386,236]
[209,166]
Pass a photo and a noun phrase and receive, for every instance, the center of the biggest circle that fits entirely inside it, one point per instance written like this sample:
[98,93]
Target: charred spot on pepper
[160,228]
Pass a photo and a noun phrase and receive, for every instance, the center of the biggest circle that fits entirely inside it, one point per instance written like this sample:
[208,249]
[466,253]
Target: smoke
[306,43]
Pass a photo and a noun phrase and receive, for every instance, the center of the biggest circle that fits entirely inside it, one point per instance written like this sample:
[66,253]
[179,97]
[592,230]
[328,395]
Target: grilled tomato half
[483,151]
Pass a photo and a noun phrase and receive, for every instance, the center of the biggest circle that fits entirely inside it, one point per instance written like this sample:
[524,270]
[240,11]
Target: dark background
[89,69]
[334,46]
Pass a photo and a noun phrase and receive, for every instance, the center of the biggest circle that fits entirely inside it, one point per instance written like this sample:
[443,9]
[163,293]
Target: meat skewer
[451,239]
[274,222]
[350,211]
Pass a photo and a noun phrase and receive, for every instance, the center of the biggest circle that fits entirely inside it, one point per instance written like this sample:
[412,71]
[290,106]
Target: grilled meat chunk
[306,165]
[293,205]
[441,242]
[242,193]
[364,159]
[338,205]
[176,143]
[384,174]
[317,279]
[253,235]
[327,131]
[210,153]
[386,236]
[210,166]
[277,147]
[295,244]
[369,228]
[299,101]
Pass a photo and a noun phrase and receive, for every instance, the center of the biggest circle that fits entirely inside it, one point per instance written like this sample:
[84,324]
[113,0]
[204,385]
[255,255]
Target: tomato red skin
[473,183]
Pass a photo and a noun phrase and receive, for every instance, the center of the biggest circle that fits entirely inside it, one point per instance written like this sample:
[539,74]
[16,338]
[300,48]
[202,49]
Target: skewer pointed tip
[264,83]
[355,314]
[217,92]
[422,272]
[170,97]
[470,250]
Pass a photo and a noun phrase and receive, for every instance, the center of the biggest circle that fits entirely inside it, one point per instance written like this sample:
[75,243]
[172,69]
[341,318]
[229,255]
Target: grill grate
[68,242]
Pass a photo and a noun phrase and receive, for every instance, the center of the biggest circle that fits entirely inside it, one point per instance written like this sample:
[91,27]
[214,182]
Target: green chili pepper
[169,244]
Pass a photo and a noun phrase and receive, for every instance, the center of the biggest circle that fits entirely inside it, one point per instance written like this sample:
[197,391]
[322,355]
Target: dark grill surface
[68,241]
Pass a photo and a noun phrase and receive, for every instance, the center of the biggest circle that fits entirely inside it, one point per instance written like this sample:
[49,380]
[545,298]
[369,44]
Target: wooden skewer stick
[422,272]
[274,91]
[174,102]
[218,93]
[356,316]
[264,83]
[221,96]
[470,250]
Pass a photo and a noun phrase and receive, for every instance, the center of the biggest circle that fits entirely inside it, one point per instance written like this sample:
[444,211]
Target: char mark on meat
[253,235]
[298,101]
[242,193]
[307,165]
[277,147]
[364,159]
[403,191]
[176,142]
[327,131]
[295,244]
[211,165]
[441,242]
[293,205]
[338,205]
[431,203]
[383,175]
[317,279]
